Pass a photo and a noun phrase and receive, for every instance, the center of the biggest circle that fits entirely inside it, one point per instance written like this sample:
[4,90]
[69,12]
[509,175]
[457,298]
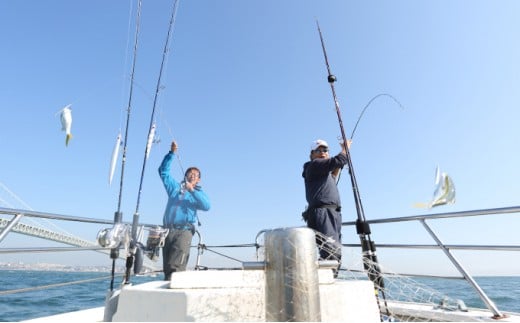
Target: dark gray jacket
[320,186]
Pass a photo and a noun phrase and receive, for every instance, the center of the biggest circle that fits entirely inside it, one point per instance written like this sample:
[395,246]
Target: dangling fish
[151,140]
[66,122]
[444,191]
[115,155]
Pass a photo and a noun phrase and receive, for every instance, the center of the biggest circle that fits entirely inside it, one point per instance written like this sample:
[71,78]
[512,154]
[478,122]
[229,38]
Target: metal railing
[445,247]
[77,244]
[14,225]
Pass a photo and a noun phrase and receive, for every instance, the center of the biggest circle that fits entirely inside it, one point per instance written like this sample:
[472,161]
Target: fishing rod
[118,215]
[362,227]
[151,132]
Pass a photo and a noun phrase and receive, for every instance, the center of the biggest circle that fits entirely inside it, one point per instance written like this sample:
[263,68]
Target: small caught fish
[444,191]
[113,161]
[151,137]
[66,122]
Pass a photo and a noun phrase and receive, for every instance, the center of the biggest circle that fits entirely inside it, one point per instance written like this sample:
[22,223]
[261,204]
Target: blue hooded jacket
[182,206]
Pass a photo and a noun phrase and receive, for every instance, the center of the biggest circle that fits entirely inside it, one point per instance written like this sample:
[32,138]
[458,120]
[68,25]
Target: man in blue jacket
[323,213]
[180,216]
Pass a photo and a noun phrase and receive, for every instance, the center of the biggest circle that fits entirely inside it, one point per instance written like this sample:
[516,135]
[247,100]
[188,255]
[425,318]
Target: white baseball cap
[319,143]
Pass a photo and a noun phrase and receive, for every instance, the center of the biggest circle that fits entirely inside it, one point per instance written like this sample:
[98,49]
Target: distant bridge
[14,225]
[8,198]
[47,234]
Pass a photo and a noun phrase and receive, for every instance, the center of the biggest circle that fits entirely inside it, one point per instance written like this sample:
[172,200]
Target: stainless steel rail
[43,215]
[14,225]
[446,248]
[503,210]
[50,249]
[449,246]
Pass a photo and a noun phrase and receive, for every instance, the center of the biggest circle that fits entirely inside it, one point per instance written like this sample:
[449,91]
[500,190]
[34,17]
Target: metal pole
[292,286]
[10,226]
[489,303]
[200,250]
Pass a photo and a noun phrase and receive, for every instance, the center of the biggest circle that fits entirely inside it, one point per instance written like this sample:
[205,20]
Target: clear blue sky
[245,92]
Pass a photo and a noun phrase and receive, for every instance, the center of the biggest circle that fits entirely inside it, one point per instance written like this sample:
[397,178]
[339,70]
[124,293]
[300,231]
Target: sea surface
[50,301]
[504,291]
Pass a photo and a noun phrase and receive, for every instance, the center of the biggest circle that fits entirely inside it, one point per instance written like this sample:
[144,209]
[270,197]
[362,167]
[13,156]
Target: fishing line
[163,119]
[368,104]
[127,47]
[92,93]
[127,50]
[125,61]
[361,115]
[135,222]
[151,98]
[115,153]
[173,138]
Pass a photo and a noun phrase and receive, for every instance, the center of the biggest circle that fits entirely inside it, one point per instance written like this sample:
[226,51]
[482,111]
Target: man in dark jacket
[323,213]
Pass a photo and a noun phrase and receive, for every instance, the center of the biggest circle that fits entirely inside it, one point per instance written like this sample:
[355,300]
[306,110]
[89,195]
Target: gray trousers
[328,222]
[176,251]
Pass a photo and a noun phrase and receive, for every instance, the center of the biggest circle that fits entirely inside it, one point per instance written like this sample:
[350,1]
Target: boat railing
[445,248]
[14,224]
[10,221]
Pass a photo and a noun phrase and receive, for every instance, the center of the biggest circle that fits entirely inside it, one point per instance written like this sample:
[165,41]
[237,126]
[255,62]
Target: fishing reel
[114,237]
[155,242]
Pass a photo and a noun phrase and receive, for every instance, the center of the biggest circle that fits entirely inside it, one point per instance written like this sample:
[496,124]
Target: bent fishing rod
[362,227]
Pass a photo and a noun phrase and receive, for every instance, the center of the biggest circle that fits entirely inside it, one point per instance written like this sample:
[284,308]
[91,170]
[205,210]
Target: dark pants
[176,251]
[327,221]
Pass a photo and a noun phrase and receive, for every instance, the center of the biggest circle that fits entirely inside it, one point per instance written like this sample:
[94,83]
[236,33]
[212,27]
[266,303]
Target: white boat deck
[239,295]
[236,295]
[89,315]
[224,296]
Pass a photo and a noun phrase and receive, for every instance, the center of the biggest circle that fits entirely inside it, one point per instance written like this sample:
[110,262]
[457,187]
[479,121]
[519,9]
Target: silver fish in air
[444,191]
[66,122]
[151,138]
[113,161]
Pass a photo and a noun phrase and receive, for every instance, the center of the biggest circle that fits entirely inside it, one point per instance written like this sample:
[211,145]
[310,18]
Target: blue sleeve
[170,184]
[202,199]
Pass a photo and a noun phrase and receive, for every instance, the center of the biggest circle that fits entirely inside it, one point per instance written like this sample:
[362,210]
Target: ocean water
[504,291]
[55,300]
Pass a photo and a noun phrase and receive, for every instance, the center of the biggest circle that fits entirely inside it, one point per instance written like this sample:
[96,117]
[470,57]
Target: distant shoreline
[56,267]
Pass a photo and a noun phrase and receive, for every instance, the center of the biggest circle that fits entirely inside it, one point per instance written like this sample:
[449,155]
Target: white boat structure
[286,282]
